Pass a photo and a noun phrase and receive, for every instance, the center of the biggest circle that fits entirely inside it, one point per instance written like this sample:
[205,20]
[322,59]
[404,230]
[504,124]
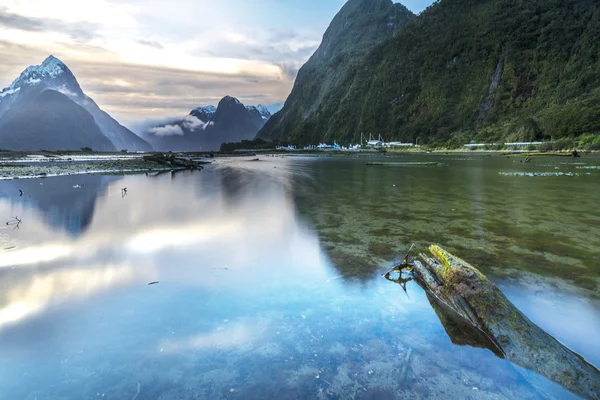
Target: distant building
[524,144]
[399,144]
[375,143]
[286,148]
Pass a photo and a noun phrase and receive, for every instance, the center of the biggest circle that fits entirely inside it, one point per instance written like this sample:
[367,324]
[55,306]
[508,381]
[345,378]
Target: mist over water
[270,280]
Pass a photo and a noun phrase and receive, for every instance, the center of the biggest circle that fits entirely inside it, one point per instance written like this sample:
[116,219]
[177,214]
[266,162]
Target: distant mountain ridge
[46,109]
[463,70]
[206,128]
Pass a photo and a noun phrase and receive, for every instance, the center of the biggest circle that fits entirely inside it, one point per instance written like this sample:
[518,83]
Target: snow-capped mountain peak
[52,67]
[261,110]
[264,111]
[230,99]
[204,113]
[52,73]
[38,85]
[207,109]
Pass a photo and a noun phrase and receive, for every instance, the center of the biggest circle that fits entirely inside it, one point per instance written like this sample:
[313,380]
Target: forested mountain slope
[464,70]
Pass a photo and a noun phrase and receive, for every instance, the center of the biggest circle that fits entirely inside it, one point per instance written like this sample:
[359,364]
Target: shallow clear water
[270,279]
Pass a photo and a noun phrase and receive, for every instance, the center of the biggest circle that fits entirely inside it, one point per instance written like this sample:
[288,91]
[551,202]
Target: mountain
[263,111]
[484,70]
[204,113]
[45,108]
[206,128]
[51,122]
[360,26]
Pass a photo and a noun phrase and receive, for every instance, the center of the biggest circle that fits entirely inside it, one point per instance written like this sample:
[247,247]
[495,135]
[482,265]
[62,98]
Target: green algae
[381,250]
[337,238]
[497,224]
[352,264]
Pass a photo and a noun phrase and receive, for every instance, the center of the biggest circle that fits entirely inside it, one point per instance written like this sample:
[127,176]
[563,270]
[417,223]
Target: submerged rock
[462,288]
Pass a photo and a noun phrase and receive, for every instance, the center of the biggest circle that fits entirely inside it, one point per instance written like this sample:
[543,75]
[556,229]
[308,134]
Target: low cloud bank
[169,130]
[192,123]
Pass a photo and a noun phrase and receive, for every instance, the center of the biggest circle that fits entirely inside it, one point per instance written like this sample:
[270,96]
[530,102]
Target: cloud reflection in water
[171,230]
[232,336]
[31,295]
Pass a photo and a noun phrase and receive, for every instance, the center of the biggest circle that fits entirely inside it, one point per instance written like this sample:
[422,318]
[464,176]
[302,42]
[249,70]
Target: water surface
[269,279]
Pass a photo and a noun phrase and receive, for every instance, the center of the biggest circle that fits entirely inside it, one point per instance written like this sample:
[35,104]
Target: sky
[144,59]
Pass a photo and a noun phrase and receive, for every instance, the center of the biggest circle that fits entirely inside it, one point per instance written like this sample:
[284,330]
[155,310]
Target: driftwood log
[452,283]
[171,161]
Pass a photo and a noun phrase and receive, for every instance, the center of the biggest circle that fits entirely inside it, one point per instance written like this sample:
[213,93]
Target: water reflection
[234,335]
[248,301]
[150,232]
[365,217]
[65,202]
[459,331]
[25,295]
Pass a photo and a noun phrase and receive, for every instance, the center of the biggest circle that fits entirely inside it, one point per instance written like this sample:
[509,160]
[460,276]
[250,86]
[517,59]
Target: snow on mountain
[51,67]
[229,99]
[8,91]
[260,109]
[207,127]
[207,109]
[264,112]
[205,113]
[53,74]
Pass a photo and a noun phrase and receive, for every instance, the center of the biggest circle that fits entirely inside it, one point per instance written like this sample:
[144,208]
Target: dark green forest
[463,70]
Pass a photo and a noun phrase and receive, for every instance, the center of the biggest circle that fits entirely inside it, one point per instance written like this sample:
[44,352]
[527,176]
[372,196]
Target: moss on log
[469,293]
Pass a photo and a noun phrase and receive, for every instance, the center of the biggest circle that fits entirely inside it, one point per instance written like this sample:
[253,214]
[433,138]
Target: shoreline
[23,165]
[36,166]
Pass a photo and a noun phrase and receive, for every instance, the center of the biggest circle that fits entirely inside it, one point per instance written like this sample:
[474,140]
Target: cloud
[143,126]
[276,47]
[169,130]
[151,43]
[77,31]
[173,126]
[102,12]
[289,70]
[192,123]
[172,64]
[154,91]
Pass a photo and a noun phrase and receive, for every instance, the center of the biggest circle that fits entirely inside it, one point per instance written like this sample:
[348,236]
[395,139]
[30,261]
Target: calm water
[270,279]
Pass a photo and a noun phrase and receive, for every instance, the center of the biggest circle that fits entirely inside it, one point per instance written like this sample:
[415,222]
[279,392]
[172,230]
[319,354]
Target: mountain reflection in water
[248,302]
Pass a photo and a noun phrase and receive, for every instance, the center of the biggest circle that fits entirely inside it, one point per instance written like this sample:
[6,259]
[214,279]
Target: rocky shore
[23,166]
